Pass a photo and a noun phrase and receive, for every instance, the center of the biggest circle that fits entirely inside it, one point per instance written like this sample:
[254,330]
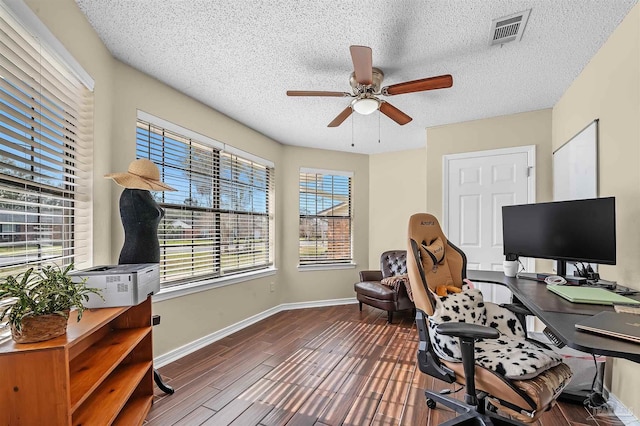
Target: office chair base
[468,414]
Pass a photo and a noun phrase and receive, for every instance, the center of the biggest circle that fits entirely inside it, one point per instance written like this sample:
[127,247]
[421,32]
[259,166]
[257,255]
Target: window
[46,133]
[325,217]
[219,221]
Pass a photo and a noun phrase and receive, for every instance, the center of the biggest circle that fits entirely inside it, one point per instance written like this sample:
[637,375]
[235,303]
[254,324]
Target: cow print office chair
[508,378]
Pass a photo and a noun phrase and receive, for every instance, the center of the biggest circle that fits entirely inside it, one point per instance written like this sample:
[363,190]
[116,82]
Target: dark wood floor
[319,366]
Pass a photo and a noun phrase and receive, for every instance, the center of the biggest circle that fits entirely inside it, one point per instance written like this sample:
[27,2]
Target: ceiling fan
[366,81]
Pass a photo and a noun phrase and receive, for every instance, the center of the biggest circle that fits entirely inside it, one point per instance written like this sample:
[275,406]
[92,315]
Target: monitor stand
[561,268]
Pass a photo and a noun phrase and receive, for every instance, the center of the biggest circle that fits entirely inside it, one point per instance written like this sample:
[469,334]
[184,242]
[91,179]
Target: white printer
[121,285]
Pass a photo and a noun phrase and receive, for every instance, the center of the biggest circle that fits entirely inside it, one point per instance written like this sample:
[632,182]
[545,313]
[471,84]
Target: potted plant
[40,302]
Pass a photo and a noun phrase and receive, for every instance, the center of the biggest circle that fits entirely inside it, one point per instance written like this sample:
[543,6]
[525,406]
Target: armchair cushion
[511,355]
[374,290]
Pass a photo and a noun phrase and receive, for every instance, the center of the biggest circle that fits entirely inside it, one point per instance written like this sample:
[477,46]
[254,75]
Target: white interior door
[477,185]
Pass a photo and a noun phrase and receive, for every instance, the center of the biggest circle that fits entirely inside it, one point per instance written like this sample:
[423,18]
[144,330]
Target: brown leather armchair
[371,291]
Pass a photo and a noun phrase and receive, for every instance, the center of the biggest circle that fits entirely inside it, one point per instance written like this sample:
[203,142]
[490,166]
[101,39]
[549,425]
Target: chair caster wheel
[431,403]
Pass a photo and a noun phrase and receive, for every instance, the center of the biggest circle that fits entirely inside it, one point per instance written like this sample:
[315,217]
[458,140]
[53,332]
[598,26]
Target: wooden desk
[561,316]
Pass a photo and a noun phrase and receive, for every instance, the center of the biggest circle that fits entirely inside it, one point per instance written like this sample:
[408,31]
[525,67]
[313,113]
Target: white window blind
[325,217]
[218,222]
[46,131]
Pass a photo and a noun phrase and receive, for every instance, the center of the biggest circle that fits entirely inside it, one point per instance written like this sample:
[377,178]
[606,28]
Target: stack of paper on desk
[595,296]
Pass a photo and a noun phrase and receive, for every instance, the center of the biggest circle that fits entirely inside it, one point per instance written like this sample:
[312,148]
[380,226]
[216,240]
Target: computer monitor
[574,231]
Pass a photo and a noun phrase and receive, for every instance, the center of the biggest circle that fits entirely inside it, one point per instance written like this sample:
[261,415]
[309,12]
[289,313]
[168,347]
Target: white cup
[510,267]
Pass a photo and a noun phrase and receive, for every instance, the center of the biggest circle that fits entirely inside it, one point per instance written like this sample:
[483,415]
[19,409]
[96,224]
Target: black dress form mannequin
[140,215]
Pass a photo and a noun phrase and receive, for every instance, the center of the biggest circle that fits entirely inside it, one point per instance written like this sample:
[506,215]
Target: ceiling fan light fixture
[365,106]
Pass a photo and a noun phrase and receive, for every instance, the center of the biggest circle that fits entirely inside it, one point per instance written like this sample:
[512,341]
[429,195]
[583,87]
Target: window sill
[204,285]
[326,267]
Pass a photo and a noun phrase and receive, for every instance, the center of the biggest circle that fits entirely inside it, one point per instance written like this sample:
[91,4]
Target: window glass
[325,218]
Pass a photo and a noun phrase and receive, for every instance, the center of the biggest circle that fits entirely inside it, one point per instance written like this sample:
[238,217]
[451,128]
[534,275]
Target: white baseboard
[200,343]
[621,411]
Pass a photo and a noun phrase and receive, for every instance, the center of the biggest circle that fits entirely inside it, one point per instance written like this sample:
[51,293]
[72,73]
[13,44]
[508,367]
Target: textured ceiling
[240,57]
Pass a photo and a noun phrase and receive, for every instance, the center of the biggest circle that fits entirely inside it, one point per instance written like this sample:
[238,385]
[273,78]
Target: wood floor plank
[252,415]
[283,353]
[392,403]
[293,397]
[231,392]
[229,413]
[310,410]
[335,413]
[234,369]
[179,405]
[196,417]
[205,371]
[326,366]
[415,409]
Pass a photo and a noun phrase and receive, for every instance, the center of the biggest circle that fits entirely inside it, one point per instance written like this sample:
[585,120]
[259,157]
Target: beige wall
[529,128]
[608,89]
[397,189]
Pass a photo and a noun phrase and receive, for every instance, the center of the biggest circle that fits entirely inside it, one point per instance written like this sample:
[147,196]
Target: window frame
[311,265]
[192,284]
[49,150]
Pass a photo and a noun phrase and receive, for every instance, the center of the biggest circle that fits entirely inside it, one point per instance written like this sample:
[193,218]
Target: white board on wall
[575,166]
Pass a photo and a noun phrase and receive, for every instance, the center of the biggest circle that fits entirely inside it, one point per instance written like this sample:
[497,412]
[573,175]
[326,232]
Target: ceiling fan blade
[431,83]
[394,113]
[317,93]
[362,64]
[341,117]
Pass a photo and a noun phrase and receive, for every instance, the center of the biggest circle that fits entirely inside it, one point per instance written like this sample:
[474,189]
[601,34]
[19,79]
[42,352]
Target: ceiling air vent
[509,28]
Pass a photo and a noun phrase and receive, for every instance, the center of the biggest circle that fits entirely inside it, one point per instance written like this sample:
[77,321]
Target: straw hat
[142,174]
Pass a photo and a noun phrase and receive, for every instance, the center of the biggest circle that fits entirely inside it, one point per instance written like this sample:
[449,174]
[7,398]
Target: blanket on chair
[397,280]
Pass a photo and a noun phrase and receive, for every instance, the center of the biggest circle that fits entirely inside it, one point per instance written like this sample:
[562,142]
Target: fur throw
[510,355]
[397,280]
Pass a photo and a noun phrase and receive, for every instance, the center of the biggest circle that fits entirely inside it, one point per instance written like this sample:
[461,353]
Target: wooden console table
[99,373]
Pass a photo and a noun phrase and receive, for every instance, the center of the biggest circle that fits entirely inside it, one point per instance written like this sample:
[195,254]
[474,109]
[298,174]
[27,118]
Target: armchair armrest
[467,331]
[370,276]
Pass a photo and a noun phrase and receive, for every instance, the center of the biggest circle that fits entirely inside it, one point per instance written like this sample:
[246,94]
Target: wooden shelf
[90,368]
[111,396]
[135,411]
[99,373]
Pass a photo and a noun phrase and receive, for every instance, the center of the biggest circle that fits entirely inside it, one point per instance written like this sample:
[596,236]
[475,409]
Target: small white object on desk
[510,267]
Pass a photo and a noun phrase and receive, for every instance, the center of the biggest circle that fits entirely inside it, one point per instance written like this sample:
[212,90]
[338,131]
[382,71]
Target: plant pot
[41,327]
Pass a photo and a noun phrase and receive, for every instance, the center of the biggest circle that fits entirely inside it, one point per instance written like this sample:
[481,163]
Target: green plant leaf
[50,290]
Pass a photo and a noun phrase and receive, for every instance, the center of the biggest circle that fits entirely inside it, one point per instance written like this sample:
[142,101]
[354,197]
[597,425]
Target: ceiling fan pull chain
[352,120]
[378,125]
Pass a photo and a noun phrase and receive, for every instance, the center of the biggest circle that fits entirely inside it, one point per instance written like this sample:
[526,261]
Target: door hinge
[529,171]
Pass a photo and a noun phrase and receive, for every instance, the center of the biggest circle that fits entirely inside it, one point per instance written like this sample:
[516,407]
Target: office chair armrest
[517,308]
[521,313]
[467,331]
[370,276]
[468,334]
